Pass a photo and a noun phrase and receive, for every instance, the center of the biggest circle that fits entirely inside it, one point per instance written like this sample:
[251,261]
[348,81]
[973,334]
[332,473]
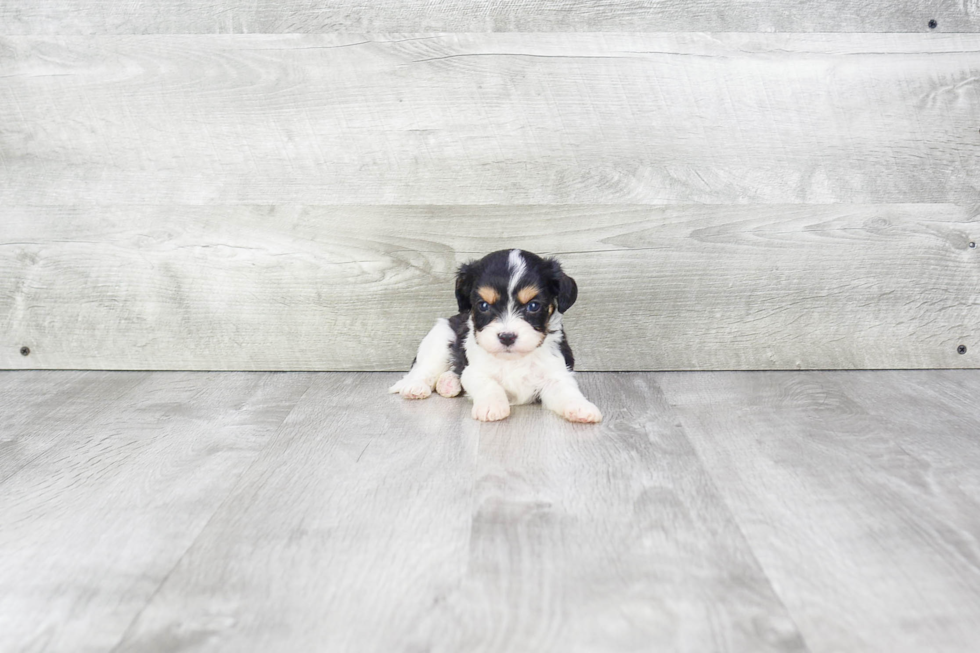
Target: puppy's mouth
[509,351]
[494,344]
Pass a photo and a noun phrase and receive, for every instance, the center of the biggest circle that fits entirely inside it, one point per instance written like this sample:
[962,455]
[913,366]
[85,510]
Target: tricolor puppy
[507,345]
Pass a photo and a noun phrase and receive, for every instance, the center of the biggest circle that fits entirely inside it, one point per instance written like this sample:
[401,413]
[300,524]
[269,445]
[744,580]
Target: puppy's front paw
[582,411]
[448,384]
[490,410]
[412,389]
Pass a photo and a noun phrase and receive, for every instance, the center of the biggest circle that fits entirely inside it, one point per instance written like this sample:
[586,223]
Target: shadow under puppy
[507,345]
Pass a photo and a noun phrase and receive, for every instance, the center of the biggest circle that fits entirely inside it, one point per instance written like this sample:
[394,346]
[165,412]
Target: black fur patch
[555,288]
[566,352]
[459,325]
[556,292]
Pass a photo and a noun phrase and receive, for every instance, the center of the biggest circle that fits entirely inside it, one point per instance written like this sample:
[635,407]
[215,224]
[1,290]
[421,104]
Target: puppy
[507,345]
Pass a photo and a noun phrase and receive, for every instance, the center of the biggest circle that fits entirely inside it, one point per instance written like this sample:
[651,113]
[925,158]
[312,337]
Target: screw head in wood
[25,351]
[961,349]
[933,24]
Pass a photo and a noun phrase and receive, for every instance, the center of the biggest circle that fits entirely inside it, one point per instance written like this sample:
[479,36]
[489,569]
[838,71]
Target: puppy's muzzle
[506,338]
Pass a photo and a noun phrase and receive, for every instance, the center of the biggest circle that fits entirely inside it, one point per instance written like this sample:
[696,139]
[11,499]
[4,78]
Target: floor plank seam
[732,511]
[221,506]
[741,531]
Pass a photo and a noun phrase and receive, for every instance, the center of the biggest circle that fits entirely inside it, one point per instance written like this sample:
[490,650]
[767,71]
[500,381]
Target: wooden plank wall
[734,185]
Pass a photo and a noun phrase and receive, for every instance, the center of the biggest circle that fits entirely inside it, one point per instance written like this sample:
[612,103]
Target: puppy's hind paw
[582,411]
[412,389]
[448,384]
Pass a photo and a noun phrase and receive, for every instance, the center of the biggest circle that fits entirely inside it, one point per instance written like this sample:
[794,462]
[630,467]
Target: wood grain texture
[351,528]
[513,118]
[91,526]
[742,512]
[376,524]
[356,288]
[293,16]
[857,492]
[39,410]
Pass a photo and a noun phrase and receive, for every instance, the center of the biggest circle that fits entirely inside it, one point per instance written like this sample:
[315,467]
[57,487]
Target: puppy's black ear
[465,278]
[567,292]
[563,287]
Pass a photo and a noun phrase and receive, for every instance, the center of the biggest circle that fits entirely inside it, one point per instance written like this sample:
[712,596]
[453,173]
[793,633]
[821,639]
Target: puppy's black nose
[507,339]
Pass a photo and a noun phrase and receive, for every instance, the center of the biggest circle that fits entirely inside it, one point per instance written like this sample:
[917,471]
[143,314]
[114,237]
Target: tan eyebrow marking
[527,293]
[487,294]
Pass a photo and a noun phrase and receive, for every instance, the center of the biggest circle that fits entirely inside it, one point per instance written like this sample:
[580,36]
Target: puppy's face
[512,296]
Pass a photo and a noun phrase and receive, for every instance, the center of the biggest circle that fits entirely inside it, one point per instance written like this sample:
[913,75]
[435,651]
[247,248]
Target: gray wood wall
[753,185]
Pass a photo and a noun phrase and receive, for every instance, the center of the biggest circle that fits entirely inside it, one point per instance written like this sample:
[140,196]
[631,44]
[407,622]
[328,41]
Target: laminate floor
[710,511]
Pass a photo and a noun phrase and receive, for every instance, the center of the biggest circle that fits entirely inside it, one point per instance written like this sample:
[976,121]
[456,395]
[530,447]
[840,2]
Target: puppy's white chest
[522,378]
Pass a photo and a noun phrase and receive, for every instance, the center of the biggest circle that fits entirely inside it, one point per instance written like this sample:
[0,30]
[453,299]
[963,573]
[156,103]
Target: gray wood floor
[711,511]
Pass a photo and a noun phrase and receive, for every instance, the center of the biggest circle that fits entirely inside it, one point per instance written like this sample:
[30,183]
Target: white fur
[448,384]
[497,377]
[496,382]
[527,338]
[433,359]
[517,267]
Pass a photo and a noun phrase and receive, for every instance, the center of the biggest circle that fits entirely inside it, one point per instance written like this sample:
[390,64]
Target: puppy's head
[512,296]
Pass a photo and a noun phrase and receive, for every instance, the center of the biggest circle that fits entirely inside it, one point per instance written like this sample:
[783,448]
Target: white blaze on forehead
[517,266]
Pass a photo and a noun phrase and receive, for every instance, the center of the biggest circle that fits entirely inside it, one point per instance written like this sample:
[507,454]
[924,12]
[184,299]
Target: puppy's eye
[483,306]
[533,307]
